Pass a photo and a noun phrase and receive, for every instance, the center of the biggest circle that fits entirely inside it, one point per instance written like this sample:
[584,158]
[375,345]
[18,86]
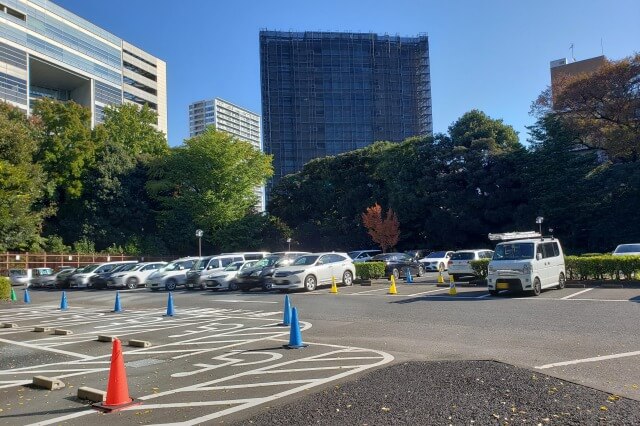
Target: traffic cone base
[286,316]
[117,396]
[452,289]
[295,337]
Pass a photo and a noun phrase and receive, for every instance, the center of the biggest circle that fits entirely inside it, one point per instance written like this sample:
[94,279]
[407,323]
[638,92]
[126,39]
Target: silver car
[226,278]
[312,270]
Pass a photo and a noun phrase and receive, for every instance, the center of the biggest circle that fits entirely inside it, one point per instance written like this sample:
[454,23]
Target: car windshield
[463,256]
[382,257]
[117,268]
[305,260]
[89,268]
[353,254]
[234,266]
[173,266]
[267,261]
[628,248]
[200,264]
[437,255]
[129,267]
[513,251]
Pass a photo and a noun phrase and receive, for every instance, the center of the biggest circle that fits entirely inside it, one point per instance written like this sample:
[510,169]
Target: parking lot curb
[91,394]
[139,343]
[576,285]
[41,329]
[47,383]
[59,332]
[9,325]
[104,338]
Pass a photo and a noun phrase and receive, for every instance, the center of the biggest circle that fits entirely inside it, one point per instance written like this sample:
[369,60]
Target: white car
[527,265]
[311,270]
[226,278]
[134,277]
[459,264]
[20,276]
[627,250]
[436,261]
[172,275]
[82,279]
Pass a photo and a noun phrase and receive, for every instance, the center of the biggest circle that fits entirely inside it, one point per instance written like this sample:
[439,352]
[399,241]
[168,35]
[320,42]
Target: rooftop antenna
[572,57]
[601,46]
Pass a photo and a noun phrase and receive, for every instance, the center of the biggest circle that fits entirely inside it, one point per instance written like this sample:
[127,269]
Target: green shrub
[481,267]
[369,270]
[601,267]
[5,288]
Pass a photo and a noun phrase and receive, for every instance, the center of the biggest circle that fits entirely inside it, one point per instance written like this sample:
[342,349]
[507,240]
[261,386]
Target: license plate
[502,286]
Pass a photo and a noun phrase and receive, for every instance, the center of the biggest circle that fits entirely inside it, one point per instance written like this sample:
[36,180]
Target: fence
[56,260]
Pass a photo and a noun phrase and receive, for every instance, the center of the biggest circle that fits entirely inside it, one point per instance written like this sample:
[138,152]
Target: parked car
[171,276]
[362,255]
[47,278]
[627,250]
[418,253]
[82,279]
[134,277]
[459,264]
[260,275]
[205,266]
[20,276]
[527,265]
[226,278]
[436,261]
[312,270]
[99,281]
[397,264]
[63,279]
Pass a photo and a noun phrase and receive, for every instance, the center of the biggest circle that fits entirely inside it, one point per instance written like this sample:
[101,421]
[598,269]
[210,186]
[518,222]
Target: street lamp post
[539,221]
[289,242]
[199,234]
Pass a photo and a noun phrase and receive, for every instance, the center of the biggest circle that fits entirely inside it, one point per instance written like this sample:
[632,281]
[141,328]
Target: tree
[253,232]
[21,182]
[384,232]
[206,183]
[601,108]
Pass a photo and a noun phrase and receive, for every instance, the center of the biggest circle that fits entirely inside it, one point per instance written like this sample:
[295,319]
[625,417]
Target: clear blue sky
[492,55]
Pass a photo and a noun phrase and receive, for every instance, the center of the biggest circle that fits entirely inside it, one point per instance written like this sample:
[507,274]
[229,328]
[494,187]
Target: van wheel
[562,281]
[537,287]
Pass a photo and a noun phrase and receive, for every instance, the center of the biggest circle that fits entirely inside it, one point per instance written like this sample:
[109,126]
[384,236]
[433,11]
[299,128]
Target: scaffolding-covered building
[324,93]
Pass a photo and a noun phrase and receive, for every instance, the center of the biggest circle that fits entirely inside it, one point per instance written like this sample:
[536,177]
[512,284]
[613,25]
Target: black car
[260,275]
[63,279]
[397,264]
[99,281]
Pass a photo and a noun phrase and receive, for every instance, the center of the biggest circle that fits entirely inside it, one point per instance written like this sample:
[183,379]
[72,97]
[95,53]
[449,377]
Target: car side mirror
[538,256]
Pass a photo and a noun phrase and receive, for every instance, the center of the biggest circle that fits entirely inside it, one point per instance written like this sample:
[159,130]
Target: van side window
[226,261]
[556,249]
[548,250]
[539,251]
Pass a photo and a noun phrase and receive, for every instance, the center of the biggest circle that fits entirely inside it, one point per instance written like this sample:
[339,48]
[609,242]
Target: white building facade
[227,117]
[47,51]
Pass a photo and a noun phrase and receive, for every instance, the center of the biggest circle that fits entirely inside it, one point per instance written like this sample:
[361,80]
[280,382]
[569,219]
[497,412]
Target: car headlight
[526,269]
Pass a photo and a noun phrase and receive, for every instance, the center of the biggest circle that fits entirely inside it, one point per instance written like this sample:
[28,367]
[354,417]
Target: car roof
[472,250]
[530,240]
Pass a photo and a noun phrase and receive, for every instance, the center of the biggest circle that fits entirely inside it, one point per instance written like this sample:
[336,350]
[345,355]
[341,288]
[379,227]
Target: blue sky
[492,55]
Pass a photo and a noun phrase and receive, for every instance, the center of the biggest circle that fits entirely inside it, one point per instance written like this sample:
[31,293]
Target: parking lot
[220,358]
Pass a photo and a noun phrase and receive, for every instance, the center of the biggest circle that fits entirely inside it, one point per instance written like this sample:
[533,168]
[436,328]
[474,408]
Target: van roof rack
[506,236]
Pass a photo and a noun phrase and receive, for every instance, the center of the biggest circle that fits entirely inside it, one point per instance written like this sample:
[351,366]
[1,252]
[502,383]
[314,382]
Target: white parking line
[575,294]
[242,301]
[368,291]
[593,359]
[430,291]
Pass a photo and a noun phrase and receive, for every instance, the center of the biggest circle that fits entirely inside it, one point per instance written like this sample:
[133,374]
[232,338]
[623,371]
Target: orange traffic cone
[117,387]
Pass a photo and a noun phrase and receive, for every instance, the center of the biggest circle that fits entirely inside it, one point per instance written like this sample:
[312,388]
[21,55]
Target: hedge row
[481,267]
[5,288]
[602,267]
[369,270]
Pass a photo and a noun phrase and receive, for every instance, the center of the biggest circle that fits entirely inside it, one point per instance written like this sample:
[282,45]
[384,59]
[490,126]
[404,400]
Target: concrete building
[230,118]
[47,51]
[328,93]
[561,68]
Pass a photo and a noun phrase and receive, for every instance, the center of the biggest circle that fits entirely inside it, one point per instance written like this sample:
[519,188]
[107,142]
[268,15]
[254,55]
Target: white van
[531,264]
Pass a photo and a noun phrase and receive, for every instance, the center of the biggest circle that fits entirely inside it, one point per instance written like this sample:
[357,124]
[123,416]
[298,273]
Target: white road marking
[256,385]
[41,348]
[430,291]
[594,359]
[367,291]
[575,294]
[243,301]
[64,418]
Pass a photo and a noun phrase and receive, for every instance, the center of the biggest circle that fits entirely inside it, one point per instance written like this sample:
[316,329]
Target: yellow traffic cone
[334,287]
[392,289]
[440,278]
[452,288]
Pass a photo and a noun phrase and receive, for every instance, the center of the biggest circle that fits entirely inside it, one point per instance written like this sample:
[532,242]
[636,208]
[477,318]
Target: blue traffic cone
[27,298]
[117,307]
[409,278]
[63,302]
[286,319]
[295,337]
[170,311]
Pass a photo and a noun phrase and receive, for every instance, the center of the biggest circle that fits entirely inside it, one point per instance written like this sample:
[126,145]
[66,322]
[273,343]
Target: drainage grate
[143,363]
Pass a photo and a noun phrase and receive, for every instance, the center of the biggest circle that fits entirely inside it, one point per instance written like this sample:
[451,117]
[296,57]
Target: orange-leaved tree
[383,231]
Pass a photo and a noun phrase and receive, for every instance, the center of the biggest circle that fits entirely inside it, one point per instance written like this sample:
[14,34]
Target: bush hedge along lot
[602,267]
[5,288]
[369,270]
[481,267]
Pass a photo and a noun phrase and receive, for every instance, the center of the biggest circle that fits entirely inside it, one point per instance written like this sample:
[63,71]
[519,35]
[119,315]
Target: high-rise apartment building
[47,51]
[327,93]
[230,118]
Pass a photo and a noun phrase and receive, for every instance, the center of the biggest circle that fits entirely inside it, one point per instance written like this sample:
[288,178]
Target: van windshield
[513,251]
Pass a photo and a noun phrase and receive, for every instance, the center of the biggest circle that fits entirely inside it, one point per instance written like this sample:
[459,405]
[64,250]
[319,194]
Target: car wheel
[132,283]
[310,283]
[171,285]
[441,267]
[395,273]
[347,278]
[493,292]
[537,287]
[203,286]
[233,286]
[562,281]
[420,271]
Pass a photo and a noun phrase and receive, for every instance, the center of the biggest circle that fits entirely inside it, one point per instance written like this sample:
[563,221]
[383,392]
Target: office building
[328,93]
[562,68]
[47,51]
[230,118]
